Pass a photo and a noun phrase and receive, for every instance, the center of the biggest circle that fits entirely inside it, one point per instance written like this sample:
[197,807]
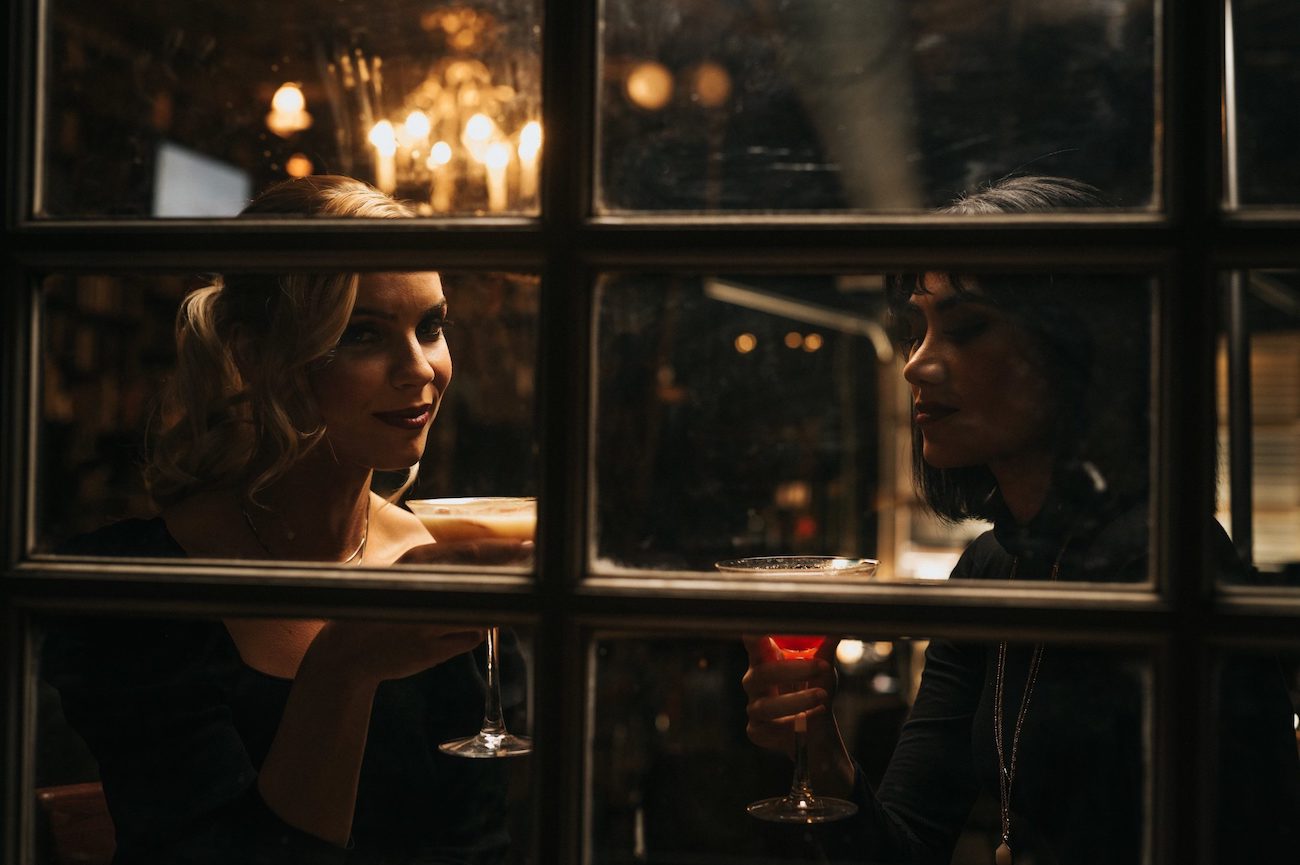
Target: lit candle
[530,145]
[497,160]
[478,135]
[384,138]
[439,157]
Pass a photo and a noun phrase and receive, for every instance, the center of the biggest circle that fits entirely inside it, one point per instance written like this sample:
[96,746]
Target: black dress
[1080,787]
[179,725]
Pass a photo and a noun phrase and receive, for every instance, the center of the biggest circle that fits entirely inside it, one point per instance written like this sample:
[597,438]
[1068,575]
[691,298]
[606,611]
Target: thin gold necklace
[358,555]
[1007,770]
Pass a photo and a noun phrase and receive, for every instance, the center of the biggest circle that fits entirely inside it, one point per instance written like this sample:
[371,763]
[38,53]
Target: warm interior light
[793,339]
[530,140]
[812,342]
[298,165]
[498,155]
[479,130]
[746,342]
[288,111]
[384,138]
[850,651]
[649,85]
[417,125]
[440,154]
[710,85]
[288,99]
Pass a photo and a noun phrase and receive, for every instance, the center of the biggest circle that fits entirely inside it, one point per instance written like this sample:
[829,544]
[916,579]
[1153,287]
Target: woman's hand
[368,652]
[484,551]
[777,691]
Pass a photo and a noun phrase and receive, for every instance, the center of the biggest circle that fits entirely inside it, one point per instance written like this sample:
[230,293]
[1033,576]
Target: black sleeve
[147,697]
[923,800]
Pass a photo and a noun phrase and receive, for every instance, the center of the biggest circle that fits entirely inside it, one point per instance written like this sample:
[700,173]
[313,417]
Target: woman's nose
[413,365]
[925,366]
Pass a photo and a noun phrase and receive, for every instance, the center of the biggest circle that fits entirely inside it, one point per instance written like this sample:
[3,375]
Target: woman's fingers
[484,551]
[785,706]
[763,678]
[392,650]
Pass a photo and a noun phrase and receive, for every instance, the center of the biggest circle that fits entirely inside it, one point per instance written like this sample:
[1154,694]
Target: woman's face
[381,389]
[980,395]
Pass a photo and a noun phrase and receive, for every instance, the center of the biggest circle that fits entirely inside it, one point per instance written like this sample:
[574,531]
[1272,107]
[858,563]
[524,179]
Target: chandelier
[466,138]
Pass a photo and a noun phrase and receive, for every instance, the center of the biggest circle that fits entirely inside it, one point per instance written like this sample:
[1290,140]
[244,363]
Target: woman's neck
[316,510]
[1024,483]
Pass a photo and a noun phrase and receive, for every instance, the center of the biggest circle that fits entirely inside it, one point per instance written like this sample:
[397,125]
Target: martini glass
[800,804]
[470,519]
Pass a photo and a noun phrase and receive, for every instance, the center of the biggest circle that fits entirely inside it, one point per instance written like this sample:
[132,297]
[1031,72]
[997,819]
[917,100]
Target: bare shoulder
[395,529]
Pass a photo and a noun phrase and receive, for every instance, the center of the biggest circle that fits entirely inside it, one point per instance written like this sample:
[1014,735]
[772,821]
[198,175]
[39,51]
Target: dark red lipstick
[411,418]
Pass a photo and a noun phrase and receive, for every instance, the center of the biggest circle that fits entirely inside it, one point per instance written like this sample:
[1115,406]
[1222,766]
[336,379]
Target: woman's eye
[431,329]
[966,331]
[358,334]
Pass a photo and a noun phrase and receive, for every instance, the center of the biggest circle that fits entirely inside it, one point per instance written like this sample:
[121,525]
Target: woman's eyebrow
[371,312]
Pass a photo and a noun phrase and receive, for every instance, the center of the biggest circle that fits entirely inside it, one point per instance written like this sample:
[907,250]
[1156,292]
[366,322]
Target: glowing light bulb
[298,165]
[288,112]
[288,99]
[850,651]
[649,85]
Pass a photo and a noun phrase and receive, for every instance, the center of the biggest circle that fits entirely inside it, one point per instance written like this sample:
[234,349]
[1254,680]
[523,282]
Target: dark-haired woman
[1029,397]
[287,740]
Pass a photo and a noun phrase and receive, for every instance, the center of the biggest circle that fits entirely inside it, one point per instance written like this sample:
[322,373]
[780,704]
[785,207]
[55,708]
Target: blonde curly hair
[239,411]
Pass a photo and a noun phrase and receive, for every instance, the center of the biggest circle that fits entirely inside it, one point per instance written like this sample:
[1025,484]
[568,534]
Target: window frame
[1183,620]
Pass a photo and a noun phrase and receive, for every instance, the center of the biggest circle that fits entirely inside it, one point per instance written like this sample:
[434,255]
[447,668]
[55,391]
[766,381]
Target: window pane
[877,105]
[673,770]
[113,445]
[1259,424]
[157,109]
[201,737]
[1266,55]
[745,415]
[1258,785]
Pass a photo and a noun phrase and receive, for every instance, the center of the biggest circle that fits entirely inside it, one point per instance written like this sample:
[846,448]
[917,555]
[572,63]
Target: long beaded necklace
[358,555]
[1007,769]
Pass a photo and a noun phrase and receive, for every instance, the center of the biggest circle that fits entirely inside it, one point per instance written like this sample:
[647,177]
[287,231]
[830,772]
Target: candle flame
[530,140]
[417,125]
[288,99]
[440,154]
[498,155]
[384,138]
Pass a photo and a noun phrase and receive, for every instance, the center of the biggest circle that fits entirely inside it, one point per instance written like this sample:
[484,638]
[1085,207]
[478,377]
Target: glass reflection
[912,720]
[297,414]
[1266,66]
[1259,409]
[775,416]
[881,105]
[158,109]
[246,740]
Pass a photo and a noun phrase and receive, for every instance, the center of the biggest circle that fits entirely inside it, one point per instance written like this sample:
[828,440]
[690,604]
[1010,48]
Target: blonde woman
[251,740]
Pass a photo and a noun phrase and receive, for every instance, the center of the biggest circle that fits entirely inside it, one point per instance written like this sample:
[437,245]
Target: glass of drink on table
[800,804]
[478,518]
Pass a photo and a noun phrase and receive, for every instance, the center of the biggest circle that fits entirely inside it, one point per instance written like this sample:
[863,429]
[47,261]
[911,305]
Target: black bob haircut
[1093,332]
